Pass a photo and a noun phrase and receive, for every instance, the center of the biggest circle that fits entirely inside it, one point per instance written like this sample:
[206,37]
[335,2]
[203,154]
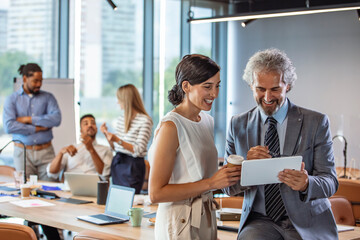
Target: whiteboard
[63,91]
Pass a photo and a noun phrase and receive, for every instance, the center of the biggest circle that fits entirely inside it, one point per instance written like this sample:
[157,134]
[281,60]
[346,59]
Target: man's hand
[258,152]
[25,119]
[87,141]
[39,128]
[71,150]
[297,180]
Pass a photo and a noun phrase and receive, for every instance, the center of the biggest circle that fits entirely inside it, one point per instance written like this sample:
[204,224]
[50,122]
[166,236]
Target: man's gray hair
[270,60]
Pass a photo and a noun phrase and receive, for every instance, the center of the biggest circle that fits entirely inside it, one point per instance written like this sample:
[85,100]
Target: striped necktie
[274,205]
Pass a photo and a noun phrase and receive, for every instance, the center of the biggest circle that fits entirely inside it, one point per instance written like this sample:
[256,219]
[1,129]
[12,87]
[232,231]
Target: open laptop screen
[119,201]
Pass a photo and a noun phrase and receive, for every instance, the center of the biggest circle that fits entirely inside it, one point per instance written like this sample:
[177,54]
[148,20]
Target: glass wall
[28,33]
[105,50]
[111,55]
[201,38]
[166,53]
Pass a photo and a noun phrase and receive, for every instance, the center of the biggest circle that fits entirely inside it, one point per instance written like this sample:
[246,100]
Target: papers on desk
[8,199]
[231,210]
[343,228]
[32,203]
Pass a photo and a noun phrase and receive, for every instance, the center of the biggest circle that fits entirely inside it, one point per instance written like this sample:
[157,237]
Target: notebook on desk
[119,200]
[82,184]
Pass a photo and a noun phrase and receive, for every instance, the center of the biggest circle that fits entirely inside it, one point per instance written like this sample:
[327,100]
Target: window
[110,55]
[166,54]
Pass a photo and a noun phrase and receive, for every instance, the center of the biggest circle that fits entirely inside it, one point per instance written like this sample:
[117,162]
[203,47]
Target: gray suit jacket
[308,135]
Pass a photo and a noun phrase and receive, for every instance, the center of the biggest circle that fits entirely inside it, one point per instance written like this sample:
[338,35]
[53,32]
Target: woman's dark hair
[29,69]
[194,68]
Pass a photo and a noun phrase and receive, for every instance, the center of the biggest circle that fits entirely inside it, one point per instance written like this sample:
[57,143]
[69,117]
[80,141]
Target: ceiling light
[112,4]
[259,15]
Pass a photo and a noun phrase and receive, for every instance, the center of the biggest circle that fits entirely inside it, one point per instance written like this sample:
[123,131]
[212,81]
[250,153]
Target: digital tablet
[265,171]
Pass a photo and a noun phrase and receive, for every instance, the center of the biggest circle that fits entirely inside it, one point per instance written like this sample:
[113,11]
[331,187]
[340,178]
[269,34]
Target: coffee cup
[135,216]
[25,190]
[234,160]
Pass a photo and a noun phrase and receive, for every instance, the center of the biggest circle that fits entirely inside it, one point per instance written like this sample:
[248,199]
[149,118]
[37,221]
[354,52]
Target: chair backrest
[93,235]
[350,189]
[6,173]
[342,210]
[230,202]
[15,231]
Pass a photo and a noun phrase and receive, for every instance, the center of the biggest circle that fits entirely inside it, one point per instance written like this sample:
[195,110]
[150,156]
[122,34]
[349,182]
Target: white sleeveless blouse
[196,157]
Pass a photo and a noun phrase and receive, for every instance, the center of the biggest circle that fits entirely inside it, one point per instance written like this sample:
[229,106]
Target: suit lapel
[293,130]
[253,128]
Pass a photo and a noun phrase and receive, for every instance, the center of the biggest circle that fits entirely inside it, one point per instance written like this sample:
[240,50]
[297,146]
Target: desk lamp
[14,140]
[344,152]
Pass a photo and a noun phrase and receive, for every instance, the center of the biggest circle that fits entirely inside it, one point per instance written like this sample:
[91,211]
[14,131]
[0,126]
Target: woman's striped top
[138,135]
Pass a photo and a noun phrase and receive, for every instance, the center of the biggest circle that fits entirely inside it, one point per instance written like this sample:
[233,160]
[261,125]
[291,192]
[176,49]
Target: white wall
[325,49]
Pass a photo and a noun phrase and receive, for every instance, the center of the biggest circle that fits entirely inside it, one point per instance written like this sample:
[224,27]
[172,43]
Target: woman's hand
[225,177]
[112,137]
[103,128]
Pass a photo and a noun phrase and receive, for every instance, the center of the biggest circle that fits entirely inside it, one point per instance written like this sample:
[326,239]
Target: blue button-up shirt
[43,110]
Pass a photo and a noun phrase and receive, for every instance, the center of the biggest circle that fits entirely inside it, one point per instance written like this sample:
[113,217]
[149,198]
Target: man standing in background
[29,115]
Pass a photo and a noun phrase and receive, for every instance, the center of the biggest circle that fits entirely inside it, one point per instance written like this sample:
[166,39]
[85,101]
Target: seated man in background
[85,157]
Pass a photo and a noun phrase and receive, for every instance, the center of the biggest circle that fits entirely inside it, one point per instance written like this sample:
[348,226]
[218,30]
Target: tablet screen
[265,171]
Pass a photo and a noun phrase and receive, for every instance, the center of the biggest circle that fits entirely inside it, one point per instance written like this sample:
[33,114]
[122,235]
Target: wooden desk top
[63,215]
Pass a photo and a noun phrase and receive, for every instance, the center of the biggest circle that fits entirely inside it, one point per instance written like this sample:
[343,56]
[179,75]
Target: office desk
[63,215]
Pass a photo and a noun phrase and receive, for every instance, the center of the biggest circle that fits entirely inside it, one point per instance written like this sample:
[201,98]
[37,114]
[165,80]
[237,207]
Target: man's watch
[120,142]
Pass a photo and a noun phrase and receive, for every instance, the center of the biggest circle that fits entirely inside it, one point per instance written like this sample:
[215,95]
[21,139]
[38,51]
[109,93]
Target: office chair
[93,235]
[342,210]
[6,173]
[16,232]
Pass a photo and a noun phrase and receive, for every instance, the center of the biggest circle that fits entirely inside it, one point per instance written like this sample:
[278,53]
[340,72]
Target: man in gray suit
[302,209]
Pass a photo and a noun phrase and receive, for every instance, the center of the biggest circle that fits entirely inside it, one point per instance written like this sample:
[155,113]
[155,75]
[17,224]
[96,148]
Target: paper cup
[25,190]
[234,160]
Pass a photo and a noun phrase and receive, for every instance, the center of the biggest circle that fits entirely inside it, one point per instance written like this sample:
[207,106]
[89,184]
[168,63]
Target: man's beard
[269,112]
[34,92]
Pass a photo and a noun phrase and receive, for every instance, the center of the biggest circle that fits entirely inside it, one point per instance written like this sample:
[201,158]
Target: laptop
[82,184]
[265,171]
[119,201]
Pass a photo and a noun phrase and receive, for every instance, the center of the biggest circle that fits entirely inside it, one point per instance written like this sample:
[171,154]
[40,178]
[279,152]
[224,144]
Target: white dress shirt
[82,161]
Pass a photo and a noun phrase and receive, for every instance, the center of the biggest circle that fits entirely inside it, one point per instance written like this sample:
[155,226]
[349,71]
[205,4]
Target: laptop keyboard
[107,218]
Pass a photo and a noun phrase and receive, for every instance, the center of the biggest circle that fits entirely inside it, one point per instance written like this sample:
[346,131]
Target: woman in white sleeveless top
[183,157]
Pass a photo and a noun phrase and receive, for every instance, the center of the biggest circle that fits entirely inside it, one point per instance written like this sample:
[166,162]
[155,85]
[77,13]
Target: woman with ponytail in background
[133,131]
[183,157]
